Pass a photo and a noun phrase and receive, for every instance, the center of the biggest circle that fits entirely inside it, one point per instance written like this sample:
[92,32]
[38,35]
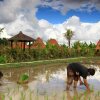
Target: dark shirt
[79,69]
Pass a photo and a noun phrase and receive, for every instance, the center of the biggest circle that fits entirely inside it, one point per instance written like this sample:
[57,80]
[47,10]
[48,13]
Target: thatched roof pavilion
[22,39]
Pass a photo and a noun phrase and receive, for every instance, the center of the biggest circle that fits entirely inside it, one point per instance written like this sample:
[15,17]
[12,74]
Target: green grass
[87,60]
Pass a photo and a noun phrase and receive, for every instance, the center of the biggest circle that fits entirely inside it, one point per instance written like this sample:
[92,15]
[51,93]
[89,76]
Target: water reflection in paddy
[49,80]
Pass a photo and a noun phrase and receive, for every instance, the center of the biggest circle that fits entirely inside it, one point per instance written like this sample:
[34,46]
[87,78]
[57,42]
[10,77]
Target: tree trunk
[69,43]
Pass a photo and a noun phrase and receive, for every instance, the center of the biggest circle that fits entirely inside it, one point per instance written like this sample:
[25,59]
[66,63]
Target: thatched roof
[21,37]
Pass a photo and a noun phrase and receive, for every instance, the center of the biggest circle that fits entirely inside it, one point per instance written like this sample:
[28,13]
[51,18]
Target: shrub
[2,59]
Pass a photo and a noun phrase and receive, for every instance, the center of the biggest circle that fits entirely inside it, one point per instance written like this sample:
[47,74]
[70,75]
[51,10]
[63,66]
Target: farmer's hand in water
[81,83]
[87,85]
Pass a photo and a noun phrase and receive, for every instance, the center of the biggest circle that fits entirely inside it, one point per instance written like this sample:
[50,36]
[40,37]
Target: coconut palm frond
[68,35]
[1,29]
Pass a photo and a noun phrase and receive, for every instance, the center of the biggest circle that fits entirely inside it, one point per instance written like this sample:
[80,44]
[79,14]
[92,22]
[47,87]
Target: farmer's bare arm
[81,83]
[86,84]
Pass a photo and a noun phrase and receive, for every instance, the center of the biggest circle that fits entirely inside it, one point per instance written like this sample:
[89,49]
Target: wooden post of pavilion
[29,45]
[11,44]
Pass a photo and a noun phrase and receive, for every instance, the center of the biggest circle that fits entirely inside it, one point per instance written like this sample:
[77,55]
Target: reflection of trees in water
[13,74]
[52,70]
[47,75]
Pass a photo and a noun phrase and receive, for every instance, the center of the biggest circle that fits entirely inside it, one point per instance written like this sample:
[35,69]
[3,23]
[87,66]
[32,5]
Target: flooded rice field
[46,83]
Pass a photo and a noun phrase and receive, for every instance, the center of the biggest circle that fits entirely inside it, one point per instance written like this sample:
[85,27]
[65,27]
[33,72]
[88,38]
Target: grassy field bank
[85,60]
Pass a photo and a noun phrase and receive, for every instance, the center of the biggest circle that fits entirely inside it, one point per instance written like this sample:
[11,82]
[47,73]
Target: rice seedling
[85,96]
[54,96]
[89,98]
[63,97]
[30,95]
[2,97]
[37,96]
[22,96]
[8,89]
[10,98]
[46,97]
[98,94]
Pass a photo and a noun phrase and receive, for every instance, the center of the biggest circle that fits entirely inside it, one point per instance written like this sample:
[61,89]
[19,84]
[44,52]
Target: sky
[51,19]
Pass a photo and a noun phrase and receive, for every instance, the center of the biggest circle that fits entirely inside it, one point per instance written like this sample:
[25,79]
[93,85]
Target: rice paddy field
[46,82]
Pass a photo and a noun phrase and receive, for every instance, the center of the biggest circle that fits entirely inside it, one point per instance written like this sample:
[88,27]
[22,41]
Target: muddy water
[45,82]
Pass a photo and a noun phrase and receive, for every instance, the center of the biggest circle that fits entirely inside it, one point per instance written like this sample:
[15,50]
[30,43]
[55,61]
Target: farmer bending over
[74,71]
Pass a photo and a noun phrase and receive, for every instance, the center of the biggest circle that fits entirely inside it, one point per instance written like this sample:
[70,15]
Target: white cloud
[42,28]
[82,31]
[11,9]
[20,15]
[44,23]
[20,24]
[3,34]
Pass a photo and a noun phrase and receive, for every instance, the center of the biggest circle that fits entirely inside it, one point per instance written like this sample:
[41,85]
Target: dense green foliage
[50,52]
[4,42]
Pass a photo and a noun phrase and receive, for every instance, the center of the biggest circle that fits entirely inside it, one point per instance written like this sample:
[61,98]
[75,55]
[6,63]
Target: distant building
[38,43]
[53,42]
[20,40]
[98,46]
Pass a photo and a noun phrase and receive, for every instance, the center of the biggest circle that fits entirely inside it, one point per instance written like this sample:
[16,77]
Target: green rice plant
[10,98]
[8,89]
[14,91]
[92,88]
[46,97]
[54,96]
[80,96]
[37,96]
[18,88]
[23,78]
[89,98]
[74,98]
[98,93]
[2,97]
[63,98]
[30,95]
[22,96]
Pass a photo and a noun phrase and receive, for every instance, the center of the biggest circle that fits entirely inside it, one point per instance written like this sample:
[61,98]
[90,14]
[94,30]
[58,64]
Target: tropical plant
[77,47]
[2,59]
[68,35]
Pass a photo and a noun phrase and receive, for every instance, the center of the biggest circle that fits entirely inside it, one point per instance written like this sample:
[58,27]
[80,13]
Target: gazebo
[20,40]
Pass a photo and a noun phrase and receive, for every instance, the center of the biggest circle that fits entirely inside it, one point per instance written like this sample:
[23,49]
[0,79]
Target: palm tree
[68,35]
[1,30]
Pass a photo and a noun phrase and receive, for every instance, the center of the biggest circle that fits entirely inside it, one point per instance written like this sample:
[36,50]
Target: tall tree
[68,35]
